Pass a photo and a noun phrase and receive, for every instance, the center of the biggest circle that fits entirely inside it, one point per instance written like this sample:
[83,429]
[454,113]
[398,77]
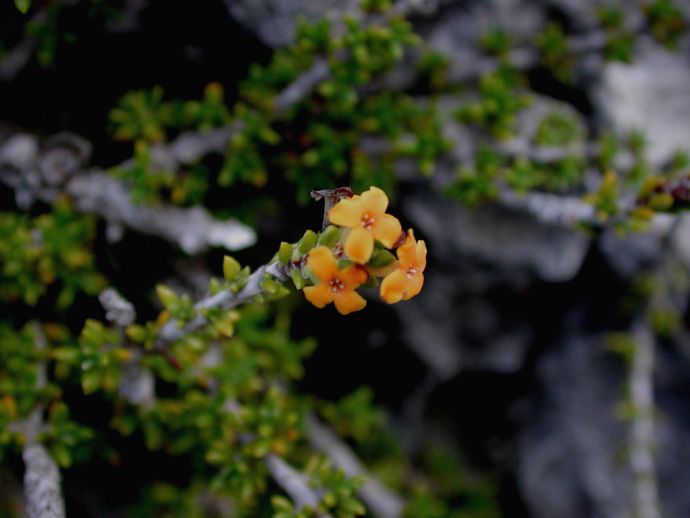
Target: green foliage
[499,104]
[145,115]
[477,184]
[605,200]
[355,415]
[666,21]
[433,67]
[555,52]
[558,128]
[18,359]
[497,42]
[50,250]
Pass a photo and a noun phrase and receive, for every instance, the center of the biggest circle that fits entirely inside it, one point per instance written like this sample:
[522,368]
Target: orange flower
[407,281]
[337,286]
[366,216]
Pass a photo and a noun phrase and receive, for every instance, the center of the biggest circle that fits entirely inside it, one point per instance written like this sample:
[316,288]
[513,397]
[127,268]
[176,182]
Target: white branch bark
[42,490]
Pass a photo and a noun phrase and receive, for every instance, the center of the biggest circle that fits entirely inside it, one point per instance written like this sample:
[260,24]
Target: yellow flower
[407,280]
[366,216]
[337,286]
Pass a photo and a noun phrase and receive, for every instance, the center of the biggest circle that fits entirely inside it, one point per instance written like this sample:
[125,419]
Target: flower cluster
[360,256]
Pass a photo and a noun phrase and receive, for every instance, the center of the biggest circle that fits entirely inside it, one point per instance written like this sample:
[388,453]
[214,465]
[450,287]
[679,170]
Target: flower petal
[414,286]
[347,212]
[393,287]
[349,301]
[407,252]
[375,201]
[353,277]
[387,229]
[359,245]
[319,295]
[322,263]
[421,256]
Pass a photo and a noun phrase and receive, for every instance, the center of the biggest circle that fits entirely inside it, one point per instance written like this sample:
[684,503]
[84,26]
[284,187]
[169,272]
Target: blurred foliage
[226,395]
[51,250]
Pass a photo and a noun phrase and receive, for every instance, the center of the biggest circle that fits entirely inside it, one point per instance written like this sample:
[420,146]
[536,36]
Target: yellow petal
[347,212]
[375,201]
[359,245]
[387,229]
[393,287]
[349,301]
[414,286]
[353,277]
[322,263]
[319,295]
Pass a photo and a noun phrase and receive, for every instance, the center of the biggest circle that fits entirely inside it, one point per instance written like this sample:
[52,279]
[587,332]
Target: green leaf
[284,253]
[231,268]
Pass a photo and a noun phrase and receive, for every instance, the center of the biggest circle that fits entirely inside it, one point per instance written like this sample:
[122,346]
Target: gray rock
[506,239]
[452,330]
[652,94]
[569,446]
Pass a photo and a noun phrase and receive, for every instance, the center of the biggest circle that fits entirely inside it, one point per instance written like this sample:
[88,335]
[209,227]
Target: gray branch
[382,502]
[292,481]
[42,489]
[45,174]
[642,433]
[193,229]
[41,483]
[226,299]
[118,310]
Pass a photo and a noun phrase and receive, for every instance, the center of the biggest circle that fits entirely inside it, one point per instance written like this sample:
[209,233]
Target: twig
[382,502]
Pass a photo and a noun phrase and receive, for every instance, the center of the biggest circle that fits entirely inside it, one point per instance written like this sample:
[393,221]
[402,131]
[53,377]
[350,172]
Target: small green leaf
[23,5]
[307,242]
[297,279]
[284,253]
[166,296]
[329,237]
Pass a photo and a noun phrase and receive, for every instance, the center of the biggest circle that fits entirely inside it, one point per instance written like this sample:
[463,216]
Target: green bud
[231,268]
[284,253]
[329,236]
[307,242]
[166,296]
[297,279]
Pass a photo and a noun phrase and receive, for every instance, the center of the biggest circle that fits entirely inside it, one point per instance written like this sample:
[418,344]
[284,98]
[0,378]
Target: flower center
[368,220]
[411,272]
[336,285]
